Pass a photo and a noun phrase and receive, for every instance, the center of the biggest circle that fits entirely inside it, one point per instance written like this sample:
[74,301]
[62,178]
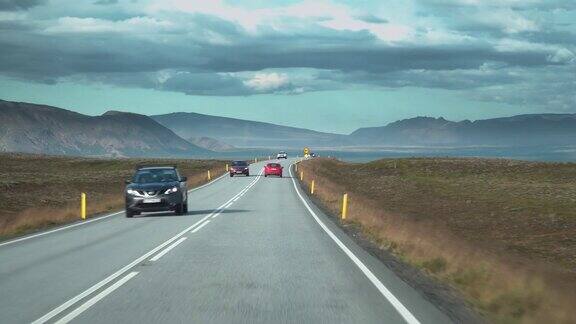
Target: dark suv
[156,188]
[239,167]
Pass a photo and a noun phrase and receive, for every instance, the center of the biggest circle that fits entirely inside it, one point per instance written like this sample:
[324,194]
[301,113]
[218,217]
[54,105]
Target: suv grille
[149,193]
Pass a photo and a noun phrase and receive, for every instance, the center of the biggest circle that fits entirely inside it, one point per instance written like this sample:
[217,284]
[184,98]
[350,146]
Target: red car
[273,169]
[239,167]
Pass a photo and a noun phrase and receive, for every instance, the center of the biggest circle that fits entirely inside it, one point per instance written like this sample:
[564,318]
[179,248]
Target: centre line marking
[202,225]
[58,310]
[73,314]
[91,220]
[166,250]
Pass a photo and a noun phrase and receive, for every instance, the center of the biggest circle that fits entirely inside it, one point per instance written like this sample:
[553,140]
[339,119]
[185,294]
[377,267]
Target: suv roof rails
[142,166]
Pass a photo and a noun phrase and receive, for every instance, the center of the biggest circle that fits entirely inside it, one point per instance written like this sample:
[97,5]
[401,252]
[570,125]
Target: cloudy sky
[324,64]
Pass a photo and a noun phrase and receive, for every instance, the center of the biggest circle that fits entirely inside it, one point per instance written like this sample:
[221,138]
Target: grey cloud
[206,84]
[105,2]
[190,83]
[373,19]
[14,25]
[205,50]
[551,88]
[551,36]
[12,5]
[555,97]
[378,58]
[542,5]
[450,80]
[210,84]
[34,55]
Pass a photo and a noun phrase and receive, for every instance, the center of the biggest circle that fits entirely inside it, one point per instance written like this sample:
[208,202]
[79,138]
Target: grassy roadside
[502,233]
[40,191]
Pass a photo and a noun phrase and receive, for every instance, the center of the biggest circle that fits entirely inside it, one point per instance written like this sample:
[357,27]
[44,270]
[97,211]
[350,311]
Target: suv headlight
[171,190]
[132,192]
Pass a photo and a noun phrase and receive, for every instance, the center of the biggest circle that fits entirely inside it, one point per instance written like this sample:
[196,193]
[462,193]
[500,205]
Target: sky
[322,64]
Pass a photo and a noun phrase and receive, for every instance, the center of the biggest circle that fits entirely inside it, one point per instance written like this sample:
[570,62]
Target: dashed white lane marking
[113,276]
[170,247]
[82,308]
[91,220]
[56,311]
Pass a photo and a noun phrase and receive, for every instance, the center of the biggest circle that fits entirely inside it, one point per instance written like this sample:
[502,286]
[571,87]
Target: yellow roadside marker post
[344,206]
[301,175]
[83,205]
[227,167]
[296,167]
[312,187]
[209,176]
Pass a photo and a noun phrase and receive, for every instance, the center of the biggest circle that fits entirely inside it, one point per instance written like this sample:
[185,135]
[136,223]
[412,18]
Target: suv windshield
[155,175]
[239,163]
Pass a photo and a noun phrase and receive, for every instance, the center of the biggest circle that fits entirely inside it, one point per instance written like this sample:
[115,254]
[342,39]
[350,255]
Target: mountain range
[522,130]
[211,144]
[48,130]
[44,129]
[244,133]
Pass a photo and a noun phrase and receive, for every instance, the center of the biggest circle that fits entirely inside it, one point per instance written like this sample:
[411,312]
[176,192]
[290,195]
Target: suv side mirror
[127,181]
[183,179]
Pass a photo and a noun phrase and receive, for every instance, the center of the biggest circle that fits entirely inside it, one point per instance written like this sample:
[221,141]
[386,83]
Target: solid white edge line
[118,273]
[73,314]
[166,250]
[402,310]
[89,220]
[202,225]
[60,228]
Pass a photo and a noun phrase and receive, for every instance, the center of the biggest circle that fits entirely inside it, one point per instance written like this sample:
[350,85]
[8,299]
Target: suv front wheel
[180,209]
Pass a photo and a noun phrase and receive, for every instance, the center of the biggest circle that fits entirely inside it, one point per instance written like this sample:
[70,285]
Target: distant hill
[49,130]
[210,144]
[522,130]
[244,133]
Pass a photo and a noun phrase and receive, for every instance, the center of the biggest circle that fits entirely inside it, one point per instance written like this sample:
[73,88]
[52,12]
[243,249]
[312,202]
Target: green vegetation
[503,233]
[39,191]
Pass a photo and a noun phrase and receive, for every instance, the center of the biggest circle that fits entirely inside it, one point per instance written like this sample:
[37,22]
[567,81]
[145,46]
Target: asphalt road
[251,250]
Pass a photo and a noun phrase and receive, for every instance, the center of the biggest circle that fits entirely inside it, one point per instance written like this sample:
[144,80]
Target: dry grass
[500,232]
[41,191]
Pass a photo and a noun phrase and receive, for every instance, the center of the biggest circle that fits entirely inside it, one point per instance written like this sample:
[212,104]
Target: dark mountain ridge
[244,133]
[521,130]
[49,130]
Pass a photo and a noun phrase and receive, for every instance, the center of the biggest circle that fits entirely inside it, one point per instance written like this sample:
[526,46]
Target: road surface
[251,250]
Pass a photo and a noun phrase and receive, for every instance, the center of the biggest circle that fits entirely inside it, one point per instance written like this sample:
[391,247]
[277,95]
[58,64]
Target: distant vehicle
[273,169]
[156,188]
[282,155]
[313,155]
[239,167]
